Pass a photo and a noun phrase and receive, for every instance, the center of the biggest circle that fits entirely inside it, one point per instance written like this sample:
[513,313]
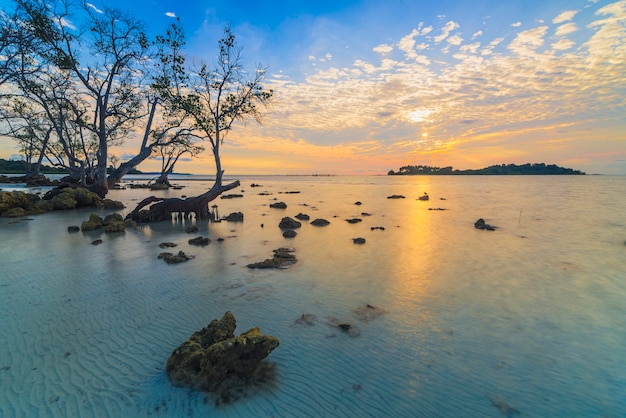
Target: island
[503,169]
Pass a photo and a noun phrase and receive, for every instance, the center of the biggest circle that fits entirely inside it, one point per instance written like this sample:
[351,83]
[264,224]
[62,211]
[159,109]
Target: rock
[289,223]
[382,228]
[480,224]
[358,240]
[278,205]
[73,228]
[214,354]
[112,204]
[130,223]
[320,222]
[159,186]
[424,197]
[344,326]
[368,312]
[366,214]
[282,258]
[395,196]
[191,229]
[255,185]
[305,319]
[114,223]
[115,227]
[96,242]
[302,216]
[199,241]
[358,203]
[234,217]
[354,220]
[231,196]
[15,213]
[501,405]
[170,258]
[289,233]
[437,209]
[167,245]
[94,222]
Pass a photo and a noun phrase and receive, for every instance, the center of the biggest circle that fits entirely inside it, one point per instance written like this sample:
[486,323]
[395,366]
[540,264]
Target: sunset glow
[365,87]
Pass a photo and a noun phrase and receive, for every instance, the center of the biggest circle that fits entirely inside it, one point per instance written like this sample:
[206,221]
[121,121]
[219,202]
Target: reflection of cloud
[170,14]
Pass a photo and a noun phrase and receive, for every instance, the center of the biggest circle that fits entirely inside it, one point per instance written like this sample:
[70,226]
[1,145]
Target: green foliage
[19,167]
[503,169]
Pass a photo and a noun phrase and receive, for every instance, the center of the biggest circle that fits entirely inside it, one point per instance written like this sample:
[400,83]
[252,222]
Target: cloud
[170,14]
[516,24]
[477,34]
[455,40]
[446,30]
[563,44]
[528,41]
[383,49]
[566,16]
[566,29]
[94,8]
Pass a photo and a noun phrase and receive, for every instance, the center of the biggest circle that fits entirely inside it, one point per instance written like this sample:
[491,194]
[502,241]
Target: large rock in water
[214,354]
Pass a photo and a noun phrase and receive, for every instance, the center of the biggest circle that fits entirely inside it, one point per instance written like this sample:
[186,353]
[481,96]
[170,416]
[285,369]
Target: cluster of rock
[17,203]
[283,258]
[170,258]
[30,181]
[481,224]
[213,354]
[111,223]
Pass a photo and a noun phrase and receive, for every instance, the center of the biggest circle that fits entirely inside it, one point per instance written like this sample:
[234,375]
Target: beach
[528,319]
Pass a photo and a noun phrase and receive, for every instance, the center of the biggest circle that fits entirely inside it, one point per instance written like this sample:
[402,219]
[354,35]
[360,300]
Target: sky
[367,86]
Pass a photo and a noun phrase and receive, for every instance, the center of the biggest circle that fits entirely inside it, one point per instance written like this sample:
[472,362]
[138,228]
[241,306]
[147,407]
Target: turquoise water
[529,319]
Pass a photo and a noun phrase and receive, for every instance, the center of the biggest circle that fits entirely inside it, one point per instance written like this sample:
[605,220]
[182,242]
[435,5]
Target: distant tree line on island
[503,169]
[21,167]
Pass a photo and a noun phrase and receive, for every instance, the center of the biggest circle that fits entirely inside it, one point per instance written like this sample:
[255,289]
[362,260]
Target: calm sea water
[529,319]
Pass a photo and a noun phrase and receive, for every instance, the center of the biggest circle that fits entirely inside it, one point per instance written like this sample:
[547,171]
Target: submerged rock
[283,258]
[395,196]
[199,241]
[114,223]
[278,205]
[170,258]
[368,312]
[480,224]
[289,233]
[234,217]
[344,326]
[94,222]
[302,216]
[289,223]
[305,319]
[320,222]
[358,240]
[214,354]
[354,220]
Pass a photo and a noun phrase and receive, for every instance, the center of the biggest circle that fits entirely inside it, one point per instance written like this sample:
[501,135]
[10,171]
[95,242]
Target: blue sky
[367,86]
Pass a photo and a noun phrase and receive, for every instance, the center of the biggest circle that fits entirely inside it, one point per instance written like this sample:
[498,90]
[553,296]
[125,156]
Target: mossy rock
[15,212]
[10,200]
[159,186]
[94,222]
[116,226]
[112,218]
[112,204]
[63,201]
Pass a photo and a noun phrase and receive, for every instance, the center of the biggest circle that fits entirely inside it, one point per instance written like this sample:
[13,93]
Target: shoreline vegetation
[503,169]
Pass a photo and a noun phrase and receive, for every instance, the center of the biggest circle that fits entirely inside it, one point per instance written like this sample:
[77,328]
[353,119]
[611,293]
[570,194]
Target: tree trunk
[116,175]
[163,210]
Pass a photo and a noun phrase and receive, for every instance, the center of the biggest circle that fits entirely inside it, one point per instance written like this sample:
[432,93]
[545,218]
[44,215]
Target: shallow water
[529,318]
